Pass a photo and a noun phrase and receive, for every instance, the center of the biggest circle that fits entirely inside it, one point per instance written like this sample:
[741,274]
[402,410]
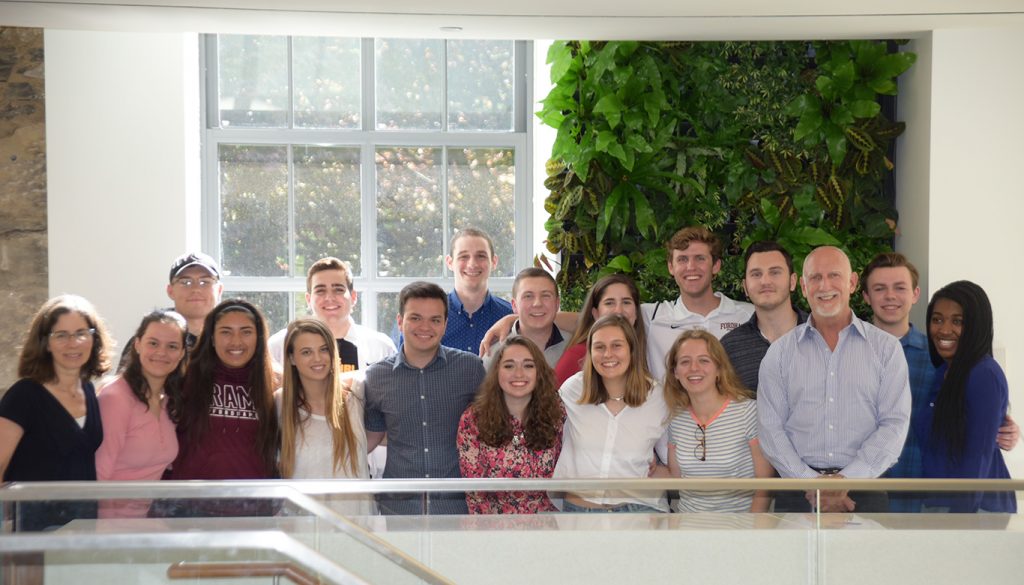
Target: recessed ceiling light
[451,29]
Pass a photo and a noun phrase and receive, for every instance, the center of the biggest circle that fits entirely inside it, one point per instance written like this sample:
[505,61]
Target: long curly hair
[133,374]
[728,383]
[295,407]
[543,418]
[190,408]
[977,332]
[638,376]
[36,361]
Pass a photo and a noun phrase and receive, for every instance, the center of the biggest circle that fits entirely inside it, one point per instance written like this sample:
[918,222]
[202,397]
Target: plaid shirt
[922,376]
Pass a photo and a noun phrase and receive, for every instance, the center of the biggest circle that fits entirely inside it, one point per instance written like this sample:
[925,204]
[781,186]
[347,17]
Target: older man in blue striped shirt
[833,394]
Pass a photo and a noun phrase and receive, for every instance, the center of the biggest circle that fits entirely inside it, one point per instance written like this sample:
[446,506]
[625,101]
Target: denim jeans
[568,506]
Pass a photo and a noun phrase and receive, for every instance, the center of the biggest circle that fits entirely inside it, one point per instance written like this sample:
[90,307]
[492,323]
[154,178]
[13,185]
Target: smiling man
[416,397]
[472,307]
[330,296]
[833,394]
[694,258]
[535,302]
[768,281]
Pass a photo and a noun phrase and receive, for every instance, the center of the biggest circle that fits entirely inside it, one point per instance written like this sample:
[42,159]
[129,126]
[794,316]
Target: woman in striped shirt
[713,432]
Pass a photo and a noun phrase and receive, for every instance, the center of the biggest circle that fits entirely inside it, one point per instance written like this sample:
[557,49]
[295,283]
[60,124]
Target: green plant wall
[756,140]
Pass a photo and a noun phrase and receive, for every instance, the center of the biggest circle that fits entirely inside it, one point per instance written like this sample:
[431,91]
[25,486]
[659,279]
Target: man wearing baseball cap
[195,288]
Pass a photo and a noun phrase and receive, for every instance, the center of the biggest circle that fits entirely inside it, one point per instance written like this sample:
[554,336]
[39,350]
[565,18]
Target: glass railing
[333,532]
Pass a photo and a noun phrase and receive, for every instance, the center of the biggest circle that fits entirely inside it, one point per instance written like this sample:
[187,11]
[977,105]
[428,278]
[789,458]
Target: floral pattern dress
[512,460]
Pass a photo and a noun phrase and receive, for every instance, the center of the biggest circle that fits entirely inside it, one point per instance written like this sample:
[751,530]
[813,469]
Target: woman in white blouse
[615,414]
[322,433]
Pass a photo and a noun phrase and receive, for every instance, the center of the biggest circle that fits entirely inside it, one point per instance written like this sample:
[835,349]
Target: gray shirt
[420,410]
[553,350]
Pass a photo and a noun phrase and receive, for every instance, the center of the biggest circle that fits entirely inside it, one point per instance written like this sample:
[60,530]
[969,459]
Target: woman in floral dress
[512,429]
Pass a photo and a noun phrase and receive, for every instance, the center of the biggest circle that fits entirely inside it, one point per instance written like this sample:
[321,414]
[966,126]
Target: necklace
[617,398]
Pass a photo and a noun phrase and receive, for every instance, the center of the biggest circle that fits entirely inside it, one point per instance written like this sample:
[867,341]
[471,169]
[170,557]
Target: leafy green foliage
[756,140]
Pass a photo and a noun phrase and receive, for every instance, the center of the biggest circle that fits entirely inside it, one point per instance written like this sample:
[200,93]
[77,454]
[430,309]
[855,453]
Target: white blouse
[599,444]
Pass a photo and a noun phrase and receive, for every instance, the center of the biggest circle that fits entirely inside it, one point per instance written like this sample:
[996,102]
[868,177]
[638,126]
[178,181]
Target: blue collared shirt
[420,410]
[465,331]
[847,409]
[922,375]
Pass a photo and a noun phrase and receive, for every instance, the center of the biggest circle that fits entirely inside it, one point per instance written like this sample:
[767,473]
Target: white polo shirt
[666,320]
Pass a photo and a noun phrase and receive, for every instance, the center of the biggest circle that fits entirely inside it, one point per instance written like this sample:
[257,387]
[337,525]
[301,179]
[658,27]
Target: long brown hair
[190,408]
[295,408]
[542,420]
[133,374]
[728,382]
[593,300]
[36,361]
[638,376]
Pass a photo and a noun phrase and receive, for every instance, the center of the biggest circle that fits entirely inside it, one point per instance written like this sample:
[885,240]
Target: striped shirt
[727,439]
[847,409]
[746,347]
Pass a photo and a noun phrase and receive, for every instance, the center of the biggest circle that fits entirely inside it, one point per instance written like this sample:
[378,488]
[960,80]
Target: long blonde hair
[728,382]
[638,377]
[293,403]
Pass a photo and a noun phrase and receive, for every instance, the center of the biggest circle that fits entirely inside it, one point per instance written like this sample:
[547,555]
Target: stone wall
[23,263]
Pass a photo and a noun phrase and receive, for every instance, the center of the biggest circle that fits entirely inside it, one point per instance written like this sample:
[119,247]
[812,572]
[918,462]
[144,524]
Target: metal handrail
[288,489]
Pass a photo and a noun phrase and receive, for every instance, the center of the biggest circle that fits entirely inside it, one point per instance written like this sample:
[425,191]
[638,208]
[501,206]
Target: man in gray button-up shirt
[416,398]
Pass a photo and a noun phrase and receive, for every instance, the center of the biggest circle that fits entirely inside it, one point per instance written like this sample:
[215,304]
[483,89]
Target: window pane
[273,304]
[252,80]
[481,193]
[409,212]
[326,82]
[387,315]
[327,204]
[409,84]
[480,85]
[254,210]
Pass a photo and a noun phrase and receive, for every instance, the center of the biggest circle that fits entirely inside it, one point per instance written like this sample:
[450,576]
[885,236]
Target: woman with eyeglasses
[616,293]
[968,402]
[616,413]
[322,432]
[512,429]
[227,427]
[713,432]
[50,420]
[139,440]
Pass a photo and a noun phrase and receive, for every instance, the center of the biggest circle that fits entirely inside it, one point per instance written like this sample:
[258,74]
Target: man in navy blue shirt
[472,307]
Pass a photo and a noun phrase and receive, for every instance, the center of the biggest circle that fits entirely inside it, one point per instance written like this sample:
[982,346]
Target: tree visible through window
[372,150]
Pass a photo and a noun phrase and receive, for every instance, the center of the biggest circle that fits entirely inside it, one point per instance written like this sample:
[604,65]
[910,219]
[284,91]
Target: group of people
[700,386]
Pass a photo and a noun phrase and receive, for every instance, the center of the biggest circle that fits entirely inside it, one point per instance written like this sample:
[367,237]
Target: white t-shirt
[314,454]
[666,320]
[372,345]
[598,444]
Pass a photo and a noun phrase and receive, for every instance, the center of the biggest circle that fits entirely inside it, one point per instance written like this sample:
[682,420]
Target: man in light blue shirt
[833,394]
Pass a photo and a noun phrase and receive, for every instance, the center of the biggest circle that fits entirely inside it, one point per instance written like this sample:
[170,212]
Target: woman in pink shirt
[139,440]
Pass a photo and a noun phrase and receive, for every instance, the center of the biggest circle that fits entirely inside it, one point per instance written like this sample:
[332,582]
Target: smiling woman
[50,420]
[225,412]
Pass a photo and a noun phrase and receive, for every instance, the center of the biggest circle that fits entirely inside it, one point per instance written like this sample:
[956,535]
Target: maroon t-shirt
[229,449]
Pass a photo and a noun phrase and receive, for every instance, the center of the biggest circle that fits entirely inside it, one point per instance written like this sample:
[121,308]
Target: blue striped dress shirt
[847,409]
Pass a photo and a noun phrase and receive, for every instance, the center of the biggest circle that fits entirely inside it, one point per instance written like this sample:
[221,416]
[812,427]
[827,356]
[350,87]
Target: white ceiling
[527,19]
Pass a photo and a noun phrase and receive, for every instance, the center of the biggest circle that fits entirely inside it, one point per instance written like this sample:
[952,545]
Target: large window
[372,150]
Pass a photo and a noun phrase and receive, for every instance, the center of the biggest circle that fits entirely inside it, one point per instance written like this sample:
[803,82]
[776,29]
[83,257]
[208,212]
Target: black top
[747,347]
[53,447]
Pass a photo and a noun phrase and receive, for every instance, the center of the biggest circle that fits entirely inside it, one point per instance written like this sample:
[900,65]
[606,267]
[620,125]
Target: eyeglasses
[702,444]
[195,282]
[66,336]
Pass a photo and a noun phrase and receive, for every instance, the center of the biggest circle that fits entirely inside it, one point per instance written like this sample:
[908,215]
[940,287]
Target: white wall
[122,133]
[976,197]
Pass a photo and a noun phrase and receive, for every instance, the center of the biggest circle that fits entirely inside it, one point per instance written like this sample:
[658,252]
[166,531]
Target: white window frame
[367,139]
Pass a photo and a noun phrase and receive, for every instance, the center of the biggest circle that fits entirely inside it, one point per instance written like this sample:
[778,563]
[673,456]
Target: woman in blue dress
[968,402]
